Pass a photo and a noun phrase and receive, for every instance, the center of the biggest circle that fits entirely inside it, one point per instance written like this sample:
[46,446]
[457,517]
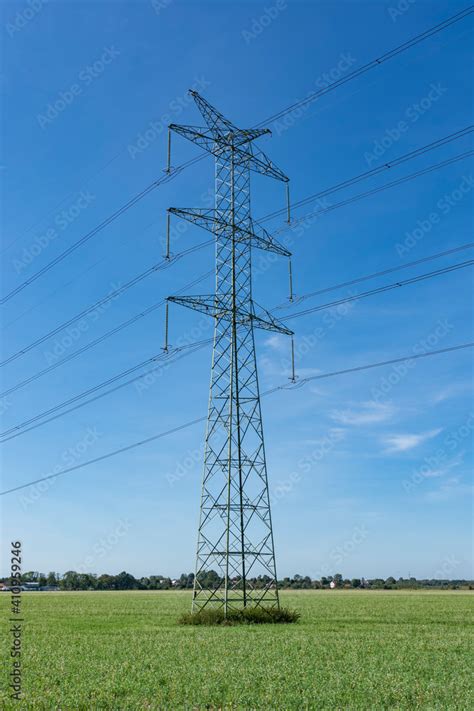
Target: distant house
[332,584]
[4,588]
[30,586]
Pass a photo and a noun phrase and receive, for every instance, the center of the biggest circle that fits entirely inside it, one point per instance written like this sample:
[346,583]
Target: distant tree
[324,582]
[70,580]
[355,582]
[105,582]
[338,580]
[210,579]
[125,581]
[86,581]
[390,581]
[51,579]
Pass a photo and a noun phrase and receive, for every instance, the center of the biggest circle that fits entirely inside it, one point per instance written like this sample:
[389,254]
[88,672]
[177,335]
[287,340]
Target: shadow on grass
[247,616]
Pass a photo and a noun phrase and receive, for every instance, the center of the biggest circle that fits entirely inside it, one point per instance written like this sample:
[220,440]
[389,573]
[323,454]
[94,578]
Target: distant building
[332,584]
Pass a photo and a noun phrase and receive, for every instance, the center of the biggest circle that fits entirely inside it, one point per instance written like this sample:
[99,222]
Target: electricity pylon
[235,536]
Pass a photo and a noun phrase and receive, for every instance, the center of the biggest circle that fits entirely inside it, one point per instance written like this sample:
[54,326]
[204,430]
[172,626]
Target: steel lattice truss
[235,537]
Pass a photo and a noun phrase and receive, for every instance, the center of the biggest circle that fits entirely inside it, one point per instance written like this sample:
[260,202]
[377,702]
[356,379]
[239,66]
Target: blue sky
[369,472]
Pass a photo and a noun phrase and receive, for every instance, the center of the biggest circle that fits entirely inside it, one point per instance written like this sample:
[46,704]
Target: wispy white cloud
[452,390]
[277,343]
[449,489]
[408,440]
[333,432]
[367,413]
[445,467]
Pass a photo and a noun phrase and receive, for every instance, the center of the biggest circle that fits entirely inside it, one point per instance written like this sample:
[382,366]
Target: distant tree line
[72,580]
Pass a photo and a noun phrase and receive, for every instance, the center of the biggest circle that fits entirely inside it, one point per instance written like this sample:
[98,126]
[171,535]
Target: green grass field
[351,650]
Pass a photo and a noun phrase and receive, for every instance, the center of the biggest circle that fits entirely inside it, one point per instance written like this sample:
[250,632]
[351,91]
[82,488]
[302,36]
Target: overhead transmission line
[371,65]
[271,119]
[19,429]
[164,360]
[296,300]
[373,191]
[165,262]
[103,337]
[374,275]
[286,386]
[380,289]
[374,171]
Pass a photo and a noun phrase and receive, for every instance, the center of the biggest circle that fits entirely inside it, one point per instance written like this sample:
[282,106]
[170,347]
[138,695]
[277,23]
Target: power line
[102,338]
[295,221]
[164,264]
[380,289]
[374,275]
[375,171]
[189,349]
[286,386]
[98,228]
[374,63]
[285,305]
[19,429]
[271,119]
[373,191]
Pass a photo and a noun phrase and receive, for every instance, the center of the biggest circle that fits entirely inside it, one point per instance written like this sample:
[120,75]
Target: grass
[350,650]
[248,616]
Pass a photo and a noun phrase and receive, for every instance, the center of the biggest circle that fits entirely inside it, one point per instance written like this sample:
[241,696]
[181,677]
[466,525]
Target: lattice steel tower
[235,536]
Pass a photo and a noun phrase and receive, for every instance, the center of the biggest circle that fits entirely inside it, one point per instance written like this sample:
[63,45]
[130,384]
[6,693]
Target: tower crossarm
[220,308]
[209,220]
[252,158]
